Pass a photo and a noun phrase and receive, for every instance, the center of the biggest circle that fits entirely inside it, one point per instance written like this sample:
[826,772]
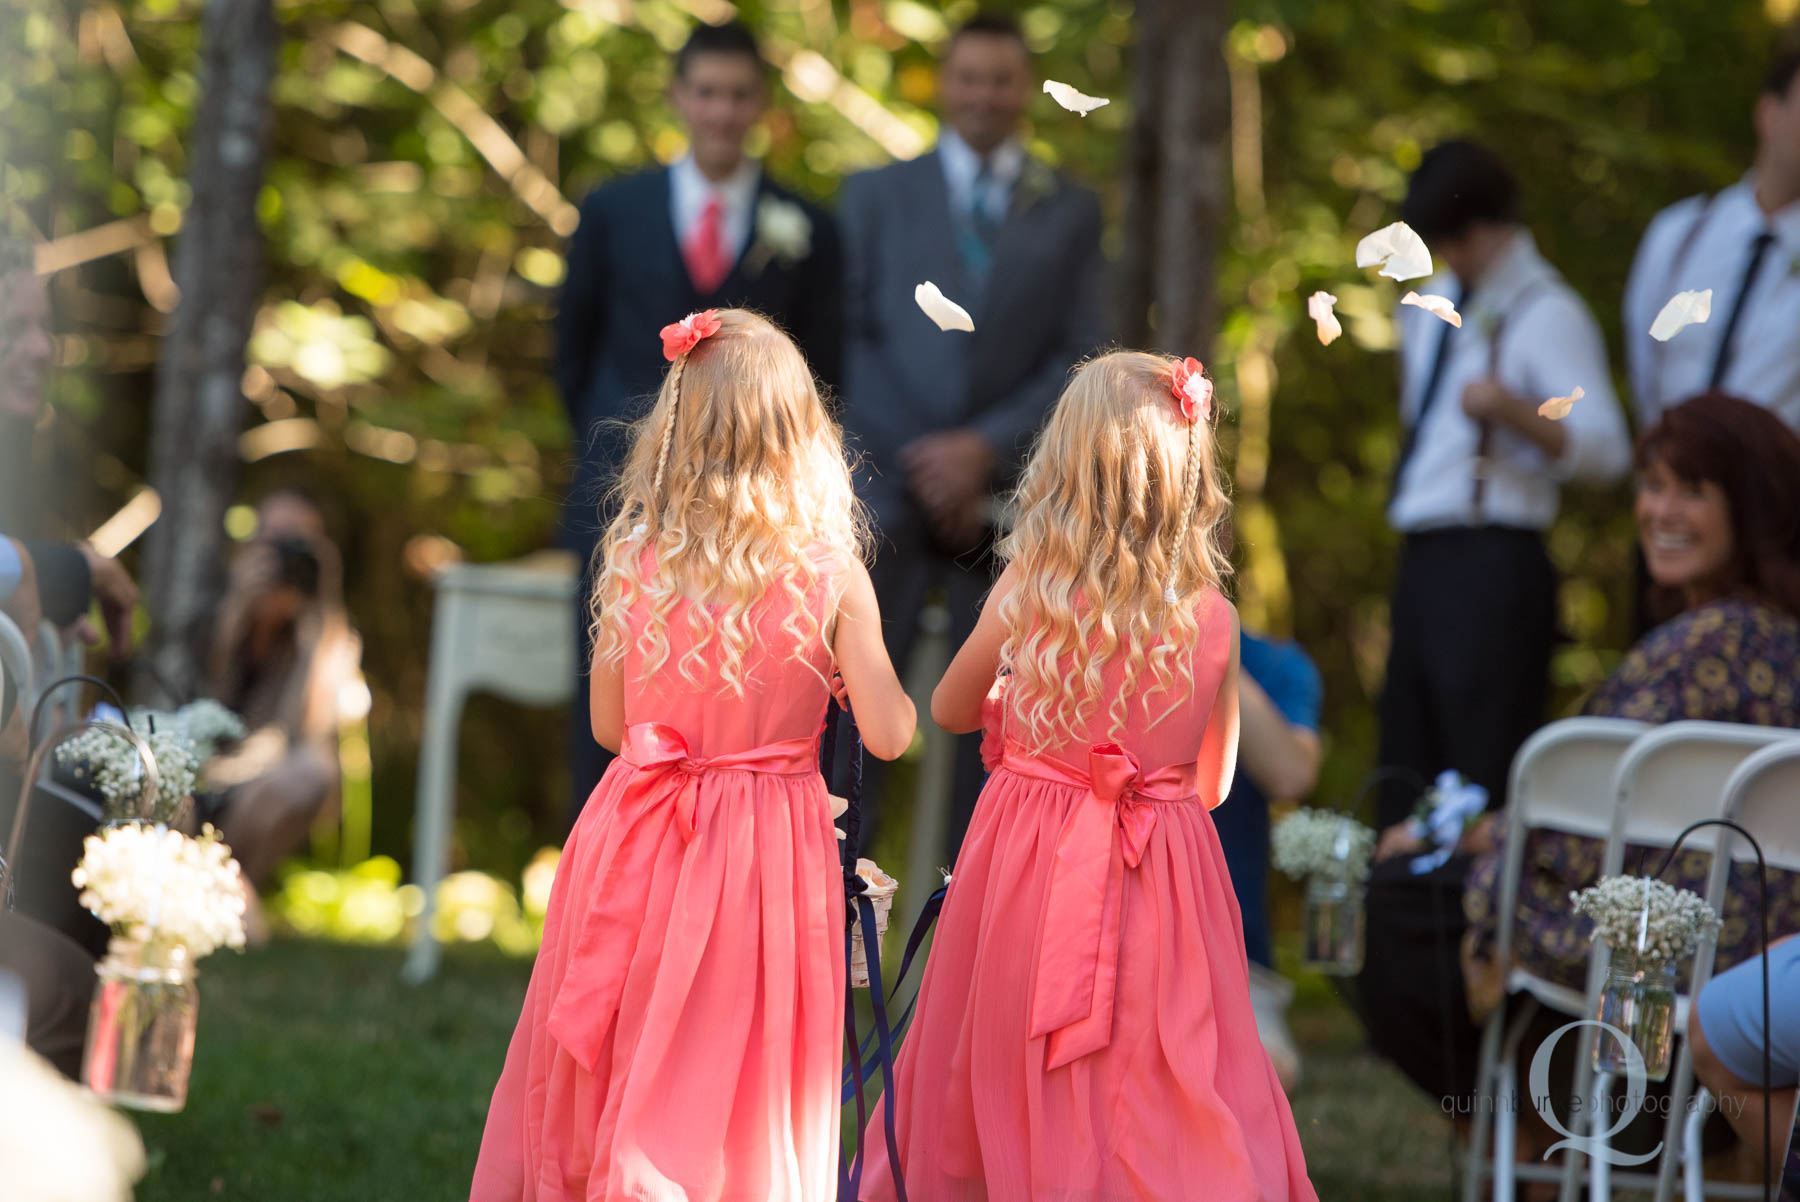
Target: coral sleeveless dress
[1084,1031]
[680,1040]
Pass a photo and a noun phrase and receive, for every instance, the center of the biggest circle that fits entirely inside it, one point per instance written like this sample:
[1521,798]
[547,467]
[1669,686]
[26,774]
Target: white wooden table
[508,629]
[500,628]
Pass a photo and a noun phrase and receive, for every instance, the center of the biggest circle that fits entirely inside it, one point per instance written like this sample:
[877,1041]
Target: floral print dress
[1727,661]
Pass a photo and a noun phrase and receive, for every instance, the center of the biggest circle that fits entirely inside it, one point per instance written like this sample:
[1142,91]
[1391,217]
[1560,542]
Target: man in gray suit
[943,420]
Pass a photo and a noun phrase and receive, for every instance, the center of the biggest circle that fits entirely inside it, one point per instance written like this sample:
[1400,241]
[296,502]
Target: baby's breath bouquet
[155,885]
[170,899]
[105,761]
[181,741]
[1646,917]
[1331,851]
[207,724]
[1312,842]
[1649,925]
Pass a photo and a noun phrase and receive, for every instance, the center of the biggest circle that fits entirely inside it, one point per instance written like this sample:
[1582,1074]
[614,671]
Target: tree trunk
[1175,209]
[199,408]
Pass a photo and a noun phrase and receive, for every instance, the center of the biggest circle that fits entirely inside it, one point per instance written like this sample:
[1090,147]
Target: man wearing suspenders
[1473,615]
[1744,245]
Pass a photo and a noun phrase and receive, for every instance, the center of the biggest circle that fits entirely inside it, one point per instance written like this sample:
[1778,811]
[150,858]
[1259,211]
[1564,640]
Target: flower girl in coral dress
[1084,1031]
[680,1036]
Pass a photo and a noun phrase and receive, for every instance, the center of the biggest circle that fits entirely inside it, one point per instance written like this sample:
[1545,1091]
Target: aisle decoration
[1648,925]
[171,900]
[1330,851]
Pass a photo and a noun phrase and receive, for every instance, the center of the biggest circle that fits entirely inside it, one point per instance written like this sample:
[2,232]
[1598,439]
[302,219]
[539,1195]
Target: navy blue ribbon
[915,941]
[860,914]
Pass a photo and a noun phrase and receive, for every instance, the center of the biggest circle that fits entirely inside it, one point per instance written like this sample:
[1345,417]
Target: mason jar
[140,1039]
[1639,1000]
[1333,925]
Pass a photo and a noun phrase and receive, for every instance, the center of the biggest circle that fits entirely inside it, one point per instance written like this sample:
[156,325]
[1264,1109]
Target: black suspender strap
[1478,493]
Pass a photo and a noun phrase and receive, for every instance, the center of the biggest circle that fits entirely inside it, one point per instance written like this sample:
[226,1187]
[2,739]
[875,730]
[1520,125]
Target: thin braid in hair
[1190,486]
[668,434]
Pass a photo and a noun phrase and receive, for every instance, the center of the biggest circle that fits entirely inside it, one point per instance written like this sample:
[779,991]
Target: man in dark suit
[944,419]
[710,231]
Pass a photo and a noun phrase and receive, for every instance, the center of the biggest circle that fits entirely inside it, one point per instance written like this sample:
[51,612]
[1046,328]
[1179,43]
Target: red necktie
[704,250]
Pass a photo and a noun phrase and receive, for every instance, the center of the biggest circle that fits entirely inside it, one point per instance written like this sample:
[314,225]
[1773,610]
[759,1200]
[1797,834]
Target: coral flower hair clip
[683,336]
[1193,390]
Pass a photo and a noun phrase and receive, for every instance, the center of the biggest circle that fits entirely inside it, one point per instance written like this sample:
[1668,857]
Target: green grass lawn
[320,1076]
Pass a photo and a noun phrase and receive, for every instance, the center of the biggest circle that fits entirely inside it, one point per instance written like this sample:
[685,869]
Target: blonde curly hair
[735,482]
[1119,514]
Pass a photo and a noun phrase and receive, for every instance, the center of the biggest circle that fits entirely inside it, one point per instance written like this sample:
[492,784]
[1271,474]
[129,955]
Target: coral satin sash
[661,772]
[1104,835]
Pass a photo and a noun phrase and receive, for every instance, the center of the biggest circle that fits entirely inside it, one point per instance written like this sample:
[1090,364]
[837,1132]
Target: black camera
[297,566]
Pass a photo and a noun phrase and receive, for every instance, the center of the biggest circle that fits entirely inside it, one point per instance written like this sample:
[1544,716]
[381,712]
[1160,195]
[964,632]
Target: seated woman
[1718,515]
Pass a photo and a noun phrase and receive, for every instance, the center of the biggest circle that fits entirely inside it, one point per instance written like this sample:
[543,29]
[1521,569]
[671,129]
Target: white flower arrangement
[208,725]
[785,228]
[1646,916]
[101,758]
[1309,842]
[158,886]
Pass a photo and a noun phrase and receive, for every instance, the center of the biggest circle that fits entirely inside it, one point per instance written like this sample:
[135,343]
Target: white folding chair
[15,652]
[1672,776]
[58,660]
[1762,795]
[14,1006]
[1561,780]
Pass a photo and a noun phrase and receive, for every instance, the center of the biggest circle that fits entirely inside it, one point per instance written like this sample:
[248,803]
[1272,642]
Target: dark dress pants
[908,567]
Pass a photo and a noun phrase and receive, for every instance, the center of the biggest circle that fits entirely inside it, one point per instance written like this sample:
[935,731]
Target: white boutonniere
[1036,182]
[783,233]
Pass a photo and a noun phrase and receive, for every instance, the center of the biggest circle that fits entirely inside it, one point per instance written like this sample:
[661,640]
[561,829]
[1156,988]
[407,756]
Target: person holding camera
[282,656]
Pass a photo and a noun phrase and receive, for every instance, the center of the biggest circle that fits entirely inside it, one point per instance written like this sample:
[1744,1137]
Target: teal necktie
[975,238]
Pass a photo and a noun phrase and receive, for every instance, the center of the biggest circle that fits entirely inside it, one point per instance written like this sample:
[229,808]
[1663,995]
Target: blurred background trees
[426,156]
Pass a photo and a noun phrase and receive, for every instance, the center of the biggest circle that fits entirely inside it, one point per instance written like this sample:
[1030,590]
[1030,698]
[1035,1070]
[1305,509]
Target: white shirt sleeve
[1651,271]
[1569,351]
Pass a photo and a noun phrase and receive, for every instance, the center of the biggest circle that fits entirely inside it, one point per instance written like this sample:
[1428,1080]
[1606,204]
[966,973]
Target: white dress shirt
[1549,344]
[1697,244]
[962,165]
[689,190]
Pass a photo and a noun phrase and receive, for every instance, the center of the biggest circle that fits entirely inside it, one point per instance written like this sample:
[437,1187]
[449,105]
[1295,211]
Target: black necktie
[1441,356]
[1722,360]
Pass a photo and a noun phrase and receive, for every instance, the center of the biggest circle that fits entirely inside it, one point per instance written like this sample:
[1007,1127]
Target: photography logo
[1627,1107]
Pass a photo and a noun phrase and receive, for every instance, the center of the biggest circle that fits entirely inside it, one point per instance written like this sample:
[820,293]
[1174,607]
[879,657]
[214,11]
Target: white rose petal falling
[941,309]
[1559,407]
[1438,306]
[1076,102]
[1401,252]
[1319,308]
[1684,309]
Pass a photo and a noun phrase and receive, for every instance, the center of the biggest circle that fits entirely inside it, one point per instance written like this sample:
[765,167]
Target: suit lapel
[663,222]
[741,279]
[932,197]
[1014,244]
